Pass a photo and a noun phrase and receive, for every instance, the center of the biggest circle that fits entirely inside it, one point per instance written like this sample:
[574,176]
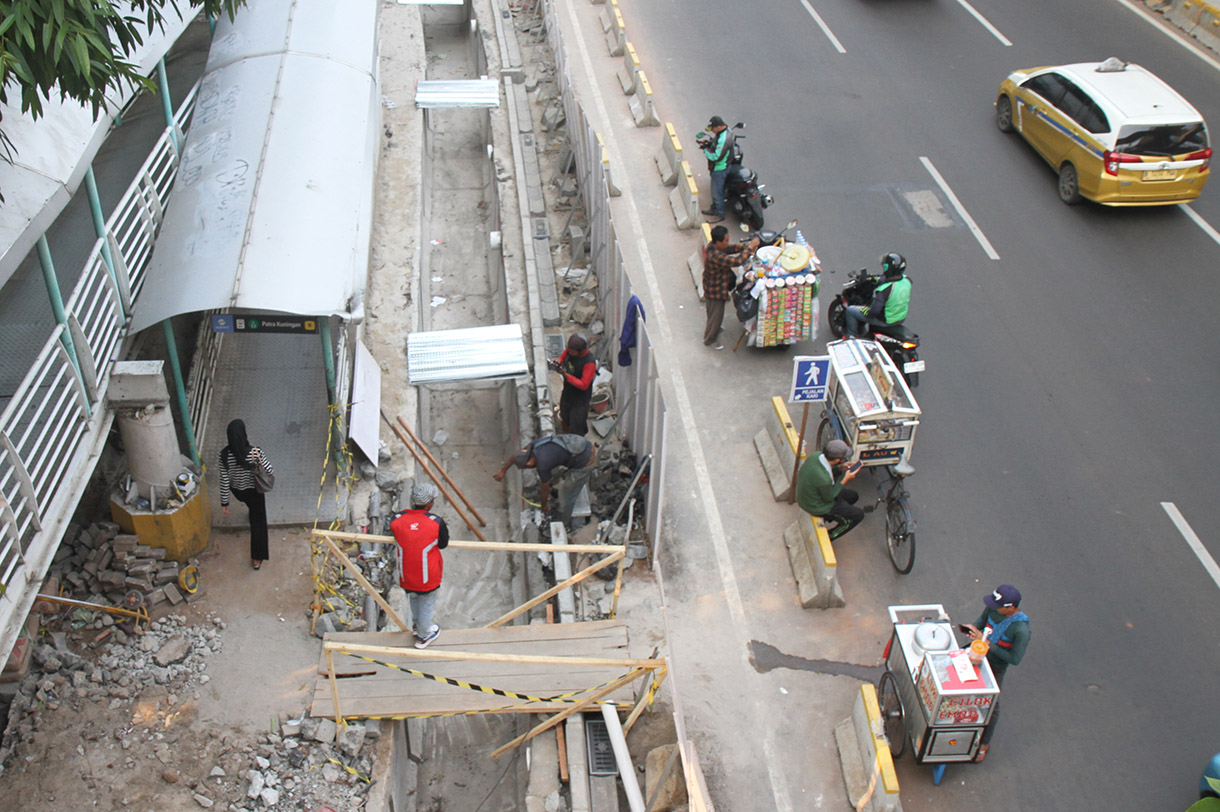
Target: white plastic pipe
[626,770]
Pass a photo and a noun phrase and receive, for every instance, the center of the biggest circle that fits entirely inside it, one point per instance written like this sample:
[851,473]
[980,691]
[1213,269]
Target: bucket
[600,402]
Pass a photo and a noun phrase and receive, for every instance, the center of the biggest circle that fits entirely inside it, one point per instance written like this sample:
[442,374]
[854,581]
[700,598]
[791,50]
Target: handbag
[264,480]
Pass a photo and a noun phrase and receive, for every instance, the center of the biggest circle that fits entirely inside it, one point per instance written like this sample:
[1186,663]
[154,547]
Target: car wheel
[1069,185]
[1003,114]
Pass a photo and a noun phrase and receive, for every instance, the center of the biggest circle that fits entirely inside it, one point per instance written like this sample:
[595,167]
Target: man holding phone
[820,491]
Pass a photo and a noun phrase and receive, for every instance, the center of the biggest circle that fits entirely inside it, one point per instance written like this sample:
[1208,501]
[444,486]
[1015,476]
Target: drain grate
[601,753]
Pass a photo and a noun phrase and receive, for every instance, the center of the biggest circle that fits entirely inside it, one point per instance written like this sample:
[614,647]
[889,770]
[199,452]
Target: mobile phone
[851,469]
[964,629]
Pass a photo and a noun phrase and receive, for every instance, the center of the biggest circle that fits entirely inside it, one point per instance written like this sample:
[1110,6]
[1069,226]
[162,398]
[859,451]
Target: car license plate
[913,366]
[1160,174]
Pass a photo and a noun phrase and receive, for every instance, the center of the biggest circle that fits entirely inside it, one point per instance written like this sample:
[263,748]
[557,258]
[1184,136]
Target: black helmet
[893,264]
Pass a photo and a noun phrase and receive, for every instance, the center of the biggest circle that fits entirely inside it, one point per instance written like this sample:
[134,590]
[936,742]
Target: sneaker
[714,218]
[423,642]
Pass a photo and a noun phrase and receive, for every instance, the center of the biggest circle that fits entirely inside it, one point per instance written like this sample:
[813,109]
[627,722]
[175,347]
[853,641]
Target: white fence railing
[56,421]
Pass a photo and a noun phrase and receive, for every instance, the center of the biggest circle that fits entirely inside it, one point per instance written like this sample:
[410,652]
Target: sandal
[256,564]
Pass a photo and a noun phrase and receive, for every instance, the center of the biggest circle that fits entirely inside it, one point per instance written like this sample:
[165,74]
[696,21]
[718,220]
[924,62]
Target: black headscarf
[239,446]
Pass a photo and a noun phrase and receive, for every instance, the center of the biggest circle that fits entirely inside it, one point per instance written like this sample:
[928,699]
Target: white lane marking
[724,562]
[961,210]
[1207,227]
[817,18]
[995,32]
[1201,552]
[1150,17]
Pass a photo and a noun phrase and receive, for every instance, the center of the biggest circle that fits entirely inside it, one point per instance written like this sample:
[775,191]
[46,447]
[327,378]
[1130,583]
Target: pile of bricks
[101,565]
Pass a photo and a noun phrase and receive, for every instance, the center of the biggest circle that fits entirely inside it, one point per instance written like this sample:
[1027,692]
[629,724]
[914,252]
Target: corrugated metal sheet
[469,354]
[457,93]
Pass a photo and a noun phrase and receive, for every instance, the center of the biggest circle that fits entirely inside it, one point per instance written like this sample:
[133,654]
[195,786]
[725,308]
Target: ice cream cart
[932,694]
[869,404]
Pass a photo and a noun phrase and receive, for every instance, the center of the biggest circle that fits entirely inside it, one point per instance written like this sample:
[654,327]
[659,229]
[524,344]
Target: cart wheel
[826,433]
[892,717]
[900,535]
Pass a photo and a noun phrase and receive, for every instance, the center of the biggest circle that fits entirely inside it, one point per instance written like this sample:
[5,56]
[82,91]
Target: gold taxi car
[1114,132]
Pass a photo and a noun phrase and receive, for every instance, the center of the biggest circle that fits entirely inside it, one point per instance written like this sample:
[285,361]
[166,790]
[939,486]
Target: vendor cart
[777,299]
[931,693]
[870,406]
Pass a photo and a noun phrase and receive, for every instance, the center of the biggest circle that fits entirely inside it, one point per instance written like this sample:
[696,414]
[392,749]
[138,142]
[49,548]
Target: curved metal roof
[273,206]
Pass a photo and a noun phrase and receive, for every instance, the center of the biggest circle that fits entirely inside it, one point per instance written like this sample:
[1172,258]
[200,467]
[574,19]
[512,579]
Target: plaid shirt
[718,264]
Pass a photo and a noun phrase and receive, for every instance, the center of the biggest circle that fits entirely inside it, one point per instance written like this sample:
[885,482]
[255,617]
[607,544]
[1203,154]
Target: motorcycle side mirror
[739,125]
[745,228]
[791,225]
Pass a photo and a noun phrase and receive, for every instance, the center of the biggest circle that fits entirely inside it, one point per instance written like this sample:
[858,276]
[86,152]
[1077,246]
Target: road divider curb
[694,262]
[616,35]
[606,18]
[670,155]
[814,565]
[864,754]
[684,199]
[777,445]
[611,186]
[642,111]
[631,67]
[1196,19]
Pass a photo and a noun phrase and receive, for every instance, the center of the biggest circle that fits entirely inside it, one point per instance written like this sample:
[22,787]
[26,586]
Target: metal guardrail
[57,420]
[637,388]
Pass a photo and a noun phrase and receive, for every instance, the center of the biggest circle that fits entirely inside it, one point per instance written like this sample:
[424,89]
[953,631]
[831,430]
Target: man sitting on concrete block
[820,491]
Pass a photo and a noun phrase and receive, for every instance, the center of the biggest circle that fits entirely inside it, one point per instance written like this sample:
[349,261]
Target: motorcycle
[900,344]
[742,191]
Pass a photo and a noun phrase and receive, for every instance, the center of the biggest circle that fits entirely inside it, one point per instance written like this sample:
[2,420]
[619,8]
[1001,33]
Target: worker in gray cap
[820,491]
[421,535]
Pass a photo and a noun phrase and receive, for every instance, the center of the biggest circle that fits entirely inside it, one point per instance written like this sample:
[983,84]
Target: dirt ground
[160,748]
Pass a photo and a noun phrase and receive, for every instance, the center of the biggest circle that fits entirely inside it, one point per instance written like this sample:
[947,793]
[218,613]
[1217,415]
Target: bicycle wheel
[900,535]
[891,714]
[825,433]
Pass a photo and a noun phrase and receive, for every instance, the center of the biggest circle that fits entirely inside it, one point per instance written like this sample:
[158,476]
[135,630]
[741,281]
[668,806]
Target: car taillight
[1204,155]
[1113,159]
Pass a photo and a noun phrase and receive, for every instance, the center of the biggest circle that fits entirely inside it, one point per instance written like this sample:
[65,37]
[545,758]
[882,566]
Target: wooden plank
[360,579]
[559,587]
[559,717]
[412,655]
[482,635]
[322,705]
[399,684]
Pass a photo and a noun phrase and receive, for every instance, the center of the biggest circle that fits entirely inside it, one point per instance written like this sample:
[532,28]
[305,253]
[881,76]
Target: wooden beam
[448,479]
[473,656]
[559,587]
[559,717]
[334,685]
[364,582]
[562,742]
[435,480]
[490,546]
[618,586]
[659,676]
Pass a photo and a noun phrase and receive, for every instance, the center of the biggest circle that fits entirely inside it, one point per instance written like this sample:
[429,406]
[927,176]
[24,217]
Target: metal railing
[56,422]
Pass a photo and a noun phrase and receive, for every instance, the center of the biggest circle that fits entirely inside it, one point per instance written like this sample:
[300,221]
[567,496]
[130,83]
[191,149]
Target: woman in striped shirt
[238,462]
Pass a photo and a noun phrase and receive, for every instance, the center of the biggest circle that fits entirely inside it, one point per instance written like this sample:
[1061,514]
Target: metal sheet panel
[438,93]
[364,426]
[467,354]
[273,209]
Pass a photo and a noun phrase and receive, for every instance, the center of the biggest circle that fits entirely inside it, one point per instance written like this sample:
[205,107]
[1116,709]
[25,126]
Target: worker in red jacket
[578,368]
[421,535]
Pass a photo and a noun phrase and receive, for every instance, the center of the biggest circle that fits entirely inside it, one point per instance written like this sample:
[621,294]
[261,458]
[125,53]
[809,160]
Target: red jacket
[421,536]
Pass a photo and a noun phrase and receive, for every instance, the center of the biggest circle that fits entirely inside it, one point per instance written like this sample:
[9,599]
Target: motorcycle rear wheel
[755,216]
[836,317]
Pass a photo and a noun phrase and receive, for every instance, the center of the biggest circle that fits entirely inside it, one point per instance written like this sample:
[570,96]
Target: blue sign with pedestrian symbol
[810,374]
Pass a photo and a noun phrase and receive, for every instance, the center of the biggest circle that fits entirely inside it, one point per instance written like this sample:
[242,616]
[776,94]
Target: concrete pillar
[140,399]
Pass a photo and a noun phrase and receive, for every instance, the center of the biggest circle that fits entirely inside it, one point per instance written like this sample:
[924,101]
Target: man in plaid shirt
[719,259]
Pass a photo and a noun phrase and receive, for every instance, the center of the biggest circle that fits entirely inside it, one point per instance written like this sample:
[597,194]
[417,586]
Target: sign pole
[796,466]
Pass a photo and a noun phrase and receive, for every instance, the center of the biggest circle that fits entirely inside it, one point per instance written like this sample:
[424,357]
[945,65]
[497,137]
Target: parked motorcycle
[742,191]
[900,344]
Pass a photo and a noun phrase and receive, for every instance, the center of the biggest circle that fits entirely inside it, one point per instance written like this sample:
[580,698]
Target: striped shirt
[234,477]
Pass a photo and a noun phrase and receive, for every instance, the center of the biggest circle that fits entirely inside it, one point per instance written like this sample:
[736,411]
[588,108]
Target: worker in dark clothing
[578,367]
[1006,628]
[547,454]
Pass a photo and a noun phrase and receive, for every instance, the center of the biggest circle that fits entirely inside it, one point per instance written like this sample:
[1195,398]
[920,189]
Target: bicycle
[899,523]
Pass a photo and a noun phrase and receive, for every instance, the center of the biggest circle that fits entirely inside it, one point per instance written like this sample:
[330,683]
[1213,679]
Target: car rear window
[1161,139]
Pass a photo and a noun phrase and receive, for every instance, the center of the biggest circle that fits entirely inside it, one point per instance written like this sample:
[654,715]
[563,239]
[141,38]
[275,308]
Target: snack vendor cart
[868,404]
[931,693]
[783,279]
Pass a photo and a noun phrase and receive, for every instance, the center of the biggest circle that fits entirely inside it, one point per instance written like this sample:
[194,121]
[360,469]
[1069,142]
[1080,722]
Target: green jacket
[891,301]
[718,154]
[1009,650]
[816,486]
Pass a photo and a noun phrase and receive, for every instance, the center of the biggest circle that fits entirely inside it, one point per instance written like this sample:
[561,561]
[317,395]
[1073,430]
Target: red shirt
[421,536]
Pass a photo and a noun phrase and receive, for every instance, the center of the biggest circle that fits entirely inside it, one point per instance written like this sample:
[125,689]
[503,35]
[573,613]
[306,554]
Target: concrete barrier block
[694,262]
[631,67]
[611,186]
[777,448]
[642,111]
[684,199]
[616,35]
[814,565]
[864,753]
[606,17]
[669,156]
[1197,19]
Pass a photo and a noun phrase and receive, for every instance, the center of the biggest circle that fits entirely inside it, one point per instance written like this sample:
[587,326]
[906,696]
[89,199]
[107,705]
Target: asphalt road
[1064,378]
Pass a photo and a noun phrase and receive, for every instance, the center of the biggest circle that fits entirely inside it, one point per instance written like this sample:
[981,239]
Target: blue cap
[1004,595]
